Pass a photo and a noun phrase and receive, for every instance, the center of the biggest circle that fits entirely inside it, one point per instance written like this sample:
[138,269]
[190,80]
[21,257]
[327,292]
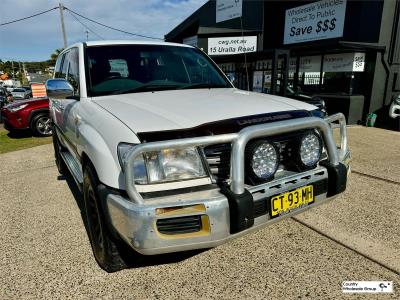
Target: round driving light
[310,149]
[262,160]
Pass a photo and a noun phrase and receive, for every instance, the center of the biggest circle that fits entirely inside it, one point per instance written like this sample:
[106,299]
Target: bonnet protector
[222,127]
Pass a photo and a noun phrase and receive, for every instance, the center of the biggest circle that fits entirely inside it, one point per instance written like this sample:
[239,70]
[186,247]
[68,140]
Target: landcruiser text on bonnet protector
[171,157]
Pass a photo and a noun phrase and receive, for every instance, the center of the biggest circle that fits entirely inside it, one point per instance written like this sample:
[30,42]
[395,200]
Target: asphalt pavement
[45,251]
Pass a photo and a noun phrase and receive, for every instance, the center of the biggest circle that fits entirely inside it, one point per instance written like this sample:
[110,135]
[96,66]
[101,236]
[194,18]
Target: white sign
[310,64]
[232,45]
[344,62]
[228,9]
[307,64]
[191,40]
[367,287]
[315,21]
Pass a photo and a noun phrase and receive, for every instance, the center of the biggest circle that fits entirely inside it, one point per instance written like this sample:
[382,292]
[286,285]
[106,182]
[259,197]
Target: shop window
[396,82]
[308,82]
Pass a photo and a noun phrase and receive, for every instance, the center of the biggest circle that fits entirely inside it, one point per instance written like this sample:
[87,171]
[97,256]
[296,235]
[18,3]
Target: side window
[58,67]
[73,70]
[64,67]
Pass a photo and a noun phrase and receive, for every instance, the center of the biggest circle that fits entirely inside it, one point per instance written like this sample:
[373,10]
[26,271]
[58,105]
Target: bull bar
[239,141]
[135,219]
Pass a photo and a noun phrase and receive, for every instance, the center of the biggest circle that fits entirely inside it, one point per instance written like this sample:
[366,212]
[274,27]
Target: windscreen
[119,69]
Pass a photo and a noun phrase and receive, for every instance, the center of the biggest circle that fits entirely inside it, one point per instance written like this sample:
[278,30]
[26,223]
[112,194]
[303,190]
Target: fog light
[310,149]
[262,160]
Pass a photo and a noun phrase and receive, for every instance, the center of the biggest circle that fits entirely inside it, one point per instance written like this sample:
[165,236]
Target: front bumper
[221,212]
[12,120]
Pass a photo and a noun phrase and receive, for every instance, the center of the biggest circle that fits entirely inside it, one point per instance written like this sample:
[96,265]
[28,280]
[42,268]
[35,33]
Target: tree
[53,57]
[7,67]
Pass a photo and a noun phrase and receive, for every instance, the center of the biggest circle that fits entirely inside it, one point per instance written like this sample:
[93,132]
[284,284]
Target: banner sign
[228,9]
[232,45]
[38,90]
[344,62]
[315,21]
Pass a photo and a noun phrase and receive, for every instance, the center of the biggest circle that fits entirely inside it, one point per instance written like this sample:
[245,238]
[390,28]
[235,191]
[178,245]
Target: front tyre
[104,245]
[41,125]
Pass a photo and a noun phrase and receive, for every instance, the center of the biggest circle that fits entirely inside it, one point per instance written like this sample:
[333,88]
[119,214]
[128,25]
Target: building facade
[347,52]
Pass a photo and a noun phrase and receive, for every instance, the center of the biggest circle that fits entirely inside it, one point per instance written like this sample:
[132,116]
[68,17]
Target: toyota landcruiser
[169,156]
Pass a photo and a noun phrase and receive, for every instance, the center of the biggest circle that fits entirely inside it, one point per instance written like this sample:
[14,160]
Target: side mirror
[59,88]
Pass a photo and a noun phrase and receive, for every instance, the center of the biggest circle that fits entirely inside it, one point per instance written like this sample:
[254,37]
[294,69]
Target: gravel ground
[46,252]
[376,152]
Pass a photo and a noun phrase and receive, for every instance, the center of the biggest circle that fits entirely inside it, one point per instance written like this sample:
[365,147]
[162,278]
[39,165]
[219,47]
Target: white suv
[171,157]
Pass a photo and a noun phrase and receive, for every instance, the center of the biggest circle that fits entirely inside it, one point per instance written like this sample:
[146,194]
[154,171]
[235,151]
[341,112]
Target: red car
[32,114]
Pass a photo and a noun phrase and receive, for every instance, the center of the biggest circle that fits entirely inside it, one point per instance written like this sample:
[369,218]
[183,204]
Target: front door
[65,110]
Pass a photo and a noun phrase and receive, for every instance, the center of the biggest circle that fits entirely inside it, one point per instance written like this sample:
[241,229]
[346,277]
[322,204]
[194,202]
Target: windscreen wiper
[202,85]
[145,88]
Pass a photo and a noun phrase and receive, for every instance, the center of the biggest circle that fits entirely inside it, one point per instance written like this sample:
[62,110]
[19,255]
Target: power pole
[61,8]
[87,35]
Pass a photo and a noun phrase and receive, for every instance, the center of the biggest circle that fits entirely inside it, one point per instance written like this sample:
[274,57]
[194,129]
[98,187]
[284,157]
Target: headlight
[262,160]
[310,149]
[16,108]
[166,165]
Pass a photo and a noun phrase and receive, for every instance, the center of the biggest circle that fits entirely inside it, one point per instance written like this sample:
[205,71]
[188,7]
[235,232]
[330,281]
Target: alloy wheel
[43,125]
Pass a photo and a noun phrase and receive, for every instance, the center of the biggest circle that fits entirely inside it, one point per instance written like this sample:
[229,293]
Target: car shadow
[20,134]
[132,258]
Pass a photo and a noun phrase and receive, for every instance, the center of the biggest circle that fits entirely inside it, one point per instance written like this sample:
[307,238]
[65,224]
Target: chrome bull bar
[239,141]
[339,117]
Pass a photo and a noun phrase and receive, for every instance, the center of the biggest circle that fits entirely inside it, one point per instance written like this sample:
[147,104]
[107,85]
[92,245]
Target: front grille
[218,158]
[179,225]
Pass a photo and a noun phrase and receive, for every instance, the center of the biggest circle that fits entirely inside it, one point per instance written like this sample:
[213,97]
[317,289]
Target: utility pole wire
[84,25]
[35,15]
[113,28]
[61,7]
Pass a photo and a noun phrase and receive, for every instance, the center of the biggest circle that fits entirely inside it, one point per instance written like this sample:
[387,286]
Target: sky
[36,38]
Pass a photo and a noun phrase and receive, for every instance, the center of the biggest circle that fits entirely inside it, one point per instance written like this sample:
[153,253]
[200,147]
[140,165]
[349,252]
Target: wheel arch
[92,148]
[36,112]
